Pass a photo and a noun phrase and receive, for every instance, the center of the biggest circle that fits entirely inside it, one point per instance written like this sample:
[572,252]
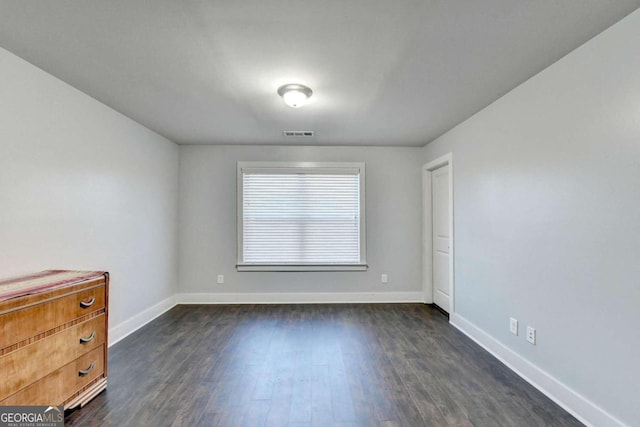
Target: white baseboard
[298,297]
[123,329]
[570,400]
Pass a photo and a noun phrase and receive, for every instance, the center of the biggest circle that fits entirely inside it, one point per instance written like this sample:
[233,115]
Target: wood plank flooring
[310,365]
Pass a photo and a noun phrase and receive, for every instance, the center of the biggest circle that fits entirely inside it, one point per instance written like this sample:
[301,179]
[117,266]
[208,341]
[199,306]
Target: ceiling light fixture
[295,95]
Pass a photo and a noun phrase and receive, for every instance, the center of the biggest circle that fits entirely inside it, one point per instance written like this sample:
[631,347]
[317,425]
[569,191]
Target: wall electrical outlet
[531,335]
[384,278]
[220,279]
[513,326]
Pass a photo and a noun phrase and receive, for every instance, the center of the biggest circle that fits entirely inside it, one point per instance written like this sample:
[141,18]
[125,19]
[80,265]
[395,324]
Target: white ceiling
[383,72]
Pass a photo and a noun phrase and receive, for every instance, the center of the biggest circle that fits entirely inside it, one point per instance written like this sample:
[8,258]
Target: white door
[440,234]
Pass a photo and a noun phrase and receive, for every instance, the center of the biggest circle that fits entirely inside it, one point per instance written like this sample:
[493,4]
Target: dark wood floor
[310,365]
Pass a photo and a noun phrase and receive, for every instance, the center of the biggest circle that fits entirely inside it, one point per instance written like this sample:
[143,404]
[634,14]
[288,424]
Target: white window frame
[301,167]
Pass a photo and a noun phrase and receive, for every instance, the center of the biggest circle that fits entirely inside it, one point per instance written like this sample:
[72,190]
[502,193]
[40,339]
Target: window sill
[271,267]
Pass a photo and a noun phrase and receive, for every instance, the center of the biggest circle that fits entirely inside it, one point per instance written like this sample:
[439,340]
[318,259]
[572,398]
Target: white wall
[83,187]
[547,213]
[547,218]
[208,225]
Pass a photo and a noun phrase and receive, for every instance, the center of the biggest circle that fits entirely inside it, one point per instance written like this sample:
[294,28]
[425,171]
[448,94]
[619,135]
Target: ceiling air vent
[298,133]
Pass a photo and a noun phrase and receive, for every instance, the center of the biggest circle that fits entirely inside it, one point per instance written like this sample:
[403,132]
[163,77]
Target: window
[301,216]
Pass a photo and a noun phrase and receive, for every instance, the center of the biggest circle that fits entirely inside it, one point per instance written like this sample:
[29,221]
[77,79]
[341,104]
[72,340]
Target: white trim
[333,267]
[129,326]
[132,324]
[315,167]
[427,259]
[298,298]
[573,402]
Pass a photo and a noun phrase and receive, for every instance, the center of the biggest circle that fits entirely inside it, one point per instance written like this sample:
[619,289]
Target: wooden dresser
[53,338]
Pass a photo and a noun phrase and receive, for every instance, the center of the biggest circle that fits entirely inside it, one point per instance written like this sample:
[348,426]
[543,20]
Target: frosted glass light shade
[295,95]
[294,98]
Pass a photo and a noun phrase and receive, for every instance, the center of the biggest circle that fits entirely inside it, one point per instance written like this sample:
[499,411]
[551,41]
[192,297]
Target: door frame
[427,230]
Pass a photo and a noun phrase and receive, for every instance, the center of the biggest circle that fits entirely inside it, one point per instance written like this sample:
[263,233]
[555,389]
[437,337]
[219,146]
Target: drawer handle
[89,303]
[82,373]
[90,338]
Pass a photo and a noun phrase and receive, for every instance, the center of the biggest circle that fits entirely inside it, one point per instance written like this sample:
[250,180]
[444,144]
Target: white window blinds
[300,216]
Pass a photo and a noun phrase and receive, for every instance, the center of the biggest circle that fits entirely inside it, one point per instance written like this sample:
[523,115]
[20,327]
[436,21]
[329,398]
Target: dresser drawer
[21,367]
[24,323]
[65,381]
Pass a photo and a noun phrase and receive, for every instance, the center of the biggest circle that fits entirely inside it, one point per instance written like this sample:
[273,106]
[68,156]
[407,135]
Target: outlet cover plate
[531,335]
[513,326]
